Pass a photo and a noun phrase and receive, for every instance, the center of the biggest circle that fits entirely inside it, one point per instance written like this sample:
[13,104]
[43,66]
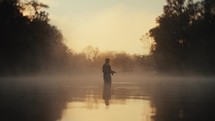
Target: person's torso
[106,69]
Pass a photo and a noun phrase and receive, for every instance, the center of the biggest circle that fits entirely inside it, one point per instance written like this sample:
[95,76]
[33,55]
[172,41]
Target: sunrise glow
[107,25]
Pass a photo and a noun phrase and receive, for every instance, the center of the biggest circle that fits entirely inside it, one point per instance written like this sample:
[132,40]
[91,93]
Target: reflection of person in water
[107,93]
[107,72]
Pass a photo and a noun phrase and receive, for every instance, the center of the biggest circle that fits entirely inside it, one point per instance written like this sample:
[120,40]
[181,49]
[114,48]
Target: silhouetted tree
[28,41]
[184,36]
[91,52]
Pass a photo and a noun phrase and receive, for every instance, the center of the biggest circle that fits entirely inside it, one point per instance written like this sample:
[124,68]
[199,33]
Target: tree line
[30,44]
[28,41]
[184,41]
[120,61]
[185,37]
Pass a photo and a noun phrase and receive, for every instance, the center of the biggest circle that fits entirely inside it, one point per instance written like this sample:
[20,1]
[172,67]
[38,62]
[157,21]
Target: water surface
[88,99]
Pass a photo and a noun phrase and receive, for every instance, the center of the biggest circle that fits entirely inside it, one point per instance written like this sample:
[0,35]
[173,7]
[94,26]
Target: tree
[170,34]
[184,36]
[91,52]
[28,42]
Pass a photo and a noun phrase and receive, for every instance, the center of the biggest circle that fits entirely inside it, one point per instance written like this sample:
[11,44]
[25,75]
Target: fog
[45,97]
[41,79]
[46,94]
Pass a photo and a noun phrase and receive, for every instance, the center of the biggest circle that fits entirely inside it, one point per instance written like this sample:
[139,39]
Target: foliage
[185,36]
[28,42]
[91,53]
[121,62]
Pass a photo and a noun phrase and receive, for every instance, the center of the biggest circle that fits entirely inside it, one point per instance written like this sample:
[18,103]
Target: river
[87,98]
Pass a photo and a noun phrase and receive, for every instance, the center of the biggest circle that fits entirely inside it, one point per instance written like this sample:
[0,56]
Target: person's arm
[111,71]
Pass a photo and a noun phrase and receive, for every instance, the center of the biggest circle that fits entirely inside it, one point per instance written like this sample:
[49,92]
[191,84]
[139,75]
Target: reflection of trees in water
[174,100]
[25,102]
[173,110]
[184,101]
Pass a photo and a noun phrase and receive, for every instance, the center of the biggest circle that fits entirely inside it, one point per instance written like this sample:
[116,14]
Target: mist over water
[41,79]
[81,97]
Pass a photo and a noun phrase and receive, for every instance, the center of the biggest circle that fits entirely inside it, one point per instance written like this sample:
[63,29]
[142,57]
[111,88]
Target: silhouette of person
[107,72]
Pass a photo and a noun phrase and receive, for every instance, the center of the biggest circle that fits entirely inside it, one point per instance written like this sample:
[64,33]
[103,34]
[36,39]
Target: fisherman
[107,72]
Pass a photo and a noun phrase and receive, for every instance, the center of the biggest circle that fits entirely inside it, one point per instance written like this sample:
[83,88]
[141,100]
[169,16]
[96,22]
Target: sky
[110,25]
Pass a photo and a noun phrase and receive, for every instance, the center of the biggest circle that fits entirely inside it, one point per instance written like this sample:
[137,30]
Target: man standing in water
[107,72]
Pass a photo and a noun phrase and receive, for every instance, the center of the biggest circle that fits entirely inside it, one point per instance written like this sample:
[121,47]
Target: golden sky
[110,25]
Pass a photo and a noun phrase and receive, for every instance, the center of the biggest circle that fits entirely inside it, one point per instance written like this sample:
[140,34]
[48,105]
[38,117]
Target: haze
[106,24]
